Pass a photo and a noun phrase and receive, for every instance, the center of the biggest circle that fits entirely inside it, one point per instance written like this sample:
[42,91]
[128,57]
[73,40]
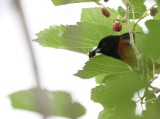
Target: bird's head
[106,46]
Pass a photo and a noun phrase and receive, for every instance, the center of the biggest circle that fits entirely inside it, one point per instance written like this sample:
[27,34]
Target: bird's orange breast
[126,53]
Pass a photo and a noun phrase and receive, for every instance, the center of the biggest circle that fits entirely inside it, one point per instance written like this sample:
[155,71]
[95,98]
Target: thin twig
[41,102]
[137,53]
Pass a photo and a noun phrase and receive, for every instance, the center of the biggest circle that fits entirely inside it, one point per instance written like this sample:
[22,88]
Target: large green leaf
[79,38]
[84,36]
[117,89]
[103,65]
[57,103]
[63,2]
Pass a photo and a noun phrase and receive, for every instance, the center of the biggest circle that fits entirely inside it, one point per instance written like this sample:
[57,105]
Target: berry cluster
[117,26]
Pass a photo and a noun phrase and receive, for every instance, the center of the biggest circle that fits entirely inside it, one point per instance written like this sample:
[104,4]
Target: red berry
[105,12]
[106,0]
[117,26]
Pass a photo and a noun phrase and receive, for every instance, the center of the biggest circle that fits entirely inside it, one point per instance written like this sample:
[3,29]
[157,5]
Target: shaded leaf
[152,110]
[100,78]
[157,16]
[103,65]
[63,2]
[58,103]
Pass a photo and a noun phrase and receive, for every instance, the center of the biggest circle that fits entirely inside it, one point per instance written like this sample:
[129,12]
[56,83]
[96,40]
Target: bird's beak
[92,53]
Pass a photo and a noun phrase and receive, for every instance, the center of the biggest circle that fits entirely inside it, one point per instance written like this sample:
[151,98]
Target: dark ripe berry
[117,26]
[106,0]
[105,12]
[153,11]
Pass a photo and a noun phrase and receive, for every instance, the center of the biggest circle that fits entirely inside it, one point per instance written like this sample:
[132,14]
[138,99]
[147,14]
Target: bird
[118,47]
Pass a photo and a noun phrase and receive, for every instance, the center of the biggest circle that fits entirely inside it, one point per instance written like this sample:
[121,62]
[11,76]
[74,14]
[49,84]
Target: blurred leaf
[102,64]
[118,89]
[137,9]
[59,103]
[63,2]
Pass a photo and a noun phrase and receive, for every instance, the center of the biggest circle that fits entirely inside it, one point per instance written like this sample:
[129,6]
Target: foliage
[117,81]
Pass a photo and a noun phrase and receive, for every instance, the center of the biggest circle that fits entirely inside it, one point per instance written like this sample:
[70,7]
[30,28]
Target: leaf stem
[151,100]
[137,53]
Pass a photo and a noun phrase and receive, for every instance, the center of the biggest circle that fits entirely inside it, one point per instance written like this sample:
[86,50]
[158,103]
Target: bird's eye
[103,45]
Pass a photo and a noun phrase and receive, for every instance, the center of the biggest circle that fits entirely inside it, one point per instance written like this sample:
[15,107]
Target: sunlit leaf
[79,38]
[63,2]
[103,65]
[51,37]
[57,103]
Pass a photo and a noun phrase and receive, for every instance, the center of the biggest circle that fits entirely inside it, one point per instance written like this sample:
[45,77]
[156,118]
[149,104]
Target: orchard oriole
[116,46]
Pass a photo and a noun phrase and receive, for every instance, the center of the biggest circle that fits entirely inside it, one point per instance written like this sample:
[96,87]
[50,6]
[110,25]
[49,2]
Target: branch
[137,53]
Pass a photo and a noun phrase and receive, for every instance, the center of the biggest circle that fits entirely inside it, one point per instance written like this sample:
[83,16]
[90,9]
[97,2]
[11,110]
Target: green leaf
[84,36]
[137,9]
[94,15]
[100,78]
[117,90]
[57,103]
[118,112]
[152,44]
[79,38]
[63,2]
[148,43]
[51,37]
[103,65]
